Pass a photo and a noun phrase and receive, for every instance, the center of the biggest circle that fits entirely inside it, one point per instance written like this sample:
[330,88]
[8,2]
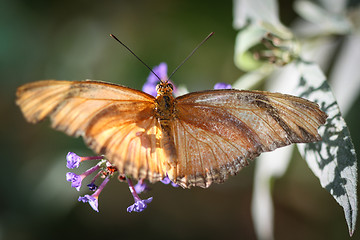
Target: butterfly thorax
[164,102]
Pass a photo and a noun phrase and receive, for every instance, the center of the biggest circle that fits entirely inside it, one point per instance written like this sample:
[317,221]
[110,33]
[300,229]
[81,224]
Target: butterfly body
[196,139]
[164,102]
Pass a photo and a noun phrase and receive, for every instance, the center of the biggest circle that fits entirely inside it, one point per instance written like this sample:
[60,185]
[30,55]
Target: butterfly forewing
[217,131]
[113,120]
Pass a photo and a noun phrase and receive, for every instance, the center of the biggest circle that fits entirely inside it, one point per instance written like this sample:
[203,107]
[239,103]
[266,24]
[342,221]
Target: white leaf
[268,166]
[329,22]
[332,160]
[345,75]
[253,79]
[256,10]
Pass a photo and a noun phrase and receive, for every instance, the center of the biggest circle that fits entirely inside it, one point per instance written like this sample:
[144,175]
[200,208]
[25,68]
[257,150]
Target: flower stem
[132,189]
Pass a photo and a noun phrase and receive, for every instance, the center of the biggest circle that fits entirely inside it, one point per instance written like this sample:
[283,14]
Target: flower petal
[72,160]
[74,179]
[222,85]
[150,88]
[160,71]
[92,186]
[165,180]
[139,205]
[141,186]
[93,201]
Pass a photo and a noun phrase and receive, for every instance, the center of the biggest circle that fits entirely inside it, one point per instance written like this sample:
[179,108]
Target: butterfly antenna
[135,55]
[193,51]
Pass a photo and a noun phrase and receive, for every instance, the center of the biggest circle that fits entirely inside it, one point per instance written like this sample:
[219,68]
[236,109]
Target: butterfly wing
[113,120]
[216,132]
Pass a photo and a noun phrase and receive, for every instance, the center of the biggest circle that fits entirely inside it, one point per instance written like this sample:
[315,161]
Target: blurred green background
[69,40]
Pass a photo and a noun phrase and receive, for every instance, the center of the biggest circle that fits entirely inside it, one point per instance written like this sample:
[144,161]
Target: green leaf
[332,160]
[248,37]
[262,43]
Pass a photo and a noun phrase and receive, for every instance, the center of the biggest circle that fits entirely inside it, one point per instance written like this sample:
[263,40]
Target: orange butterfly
[195,139]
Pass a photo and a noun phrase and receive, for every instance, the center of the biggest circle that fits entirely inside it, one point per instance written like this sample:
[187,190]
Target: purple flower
[174,184]
[92,186]
[139,205]
[221,85]
[93,201]
[150,88]
[77,179]
[72,160]
[74,179]
[141,186]
[160,71]
[166,180]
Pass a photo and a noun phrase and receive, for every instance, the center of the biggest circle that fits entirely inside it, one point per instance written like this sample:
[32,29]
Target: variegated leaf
[333,160]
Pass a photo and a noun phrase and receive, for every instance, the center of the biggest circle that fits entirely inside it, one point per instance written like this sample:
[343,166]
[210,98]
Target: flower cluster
[277,50]
[103,168]
[106,171]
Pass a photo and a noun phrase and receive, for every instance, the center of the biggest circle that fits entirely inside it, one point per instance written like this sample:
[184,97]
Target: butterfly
[194,139]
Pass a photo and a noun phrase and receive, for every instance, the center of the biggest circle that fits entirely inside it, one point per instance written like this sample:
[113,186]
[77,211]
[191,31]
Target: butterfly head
[164,88]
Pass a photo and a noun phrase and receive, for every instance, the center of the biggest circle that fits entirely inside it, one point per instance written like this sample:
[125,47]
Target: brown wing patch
[204,157]
[227,127]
